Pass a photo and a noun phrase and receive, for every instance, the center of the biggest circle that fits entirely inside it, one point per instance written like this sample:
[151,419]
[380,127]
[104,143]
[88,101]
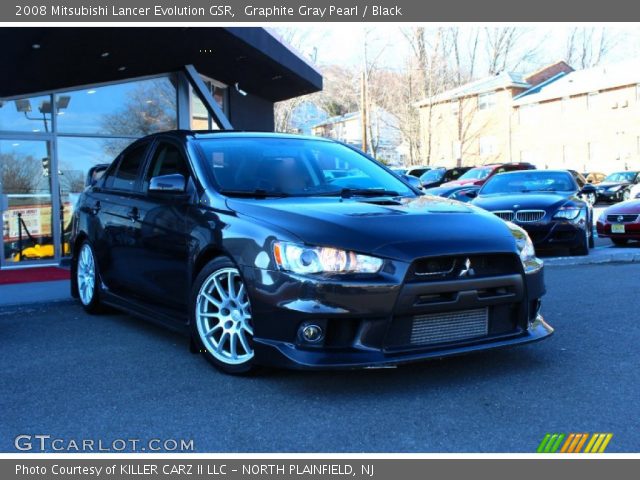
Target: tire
[87,278]
[619,242]
[221,322]
[583,248]
[591,199]
[592,241]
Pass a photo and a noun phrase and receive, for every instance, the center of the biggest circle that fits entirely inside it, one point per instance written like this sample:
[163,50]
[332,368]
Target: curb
[594,259]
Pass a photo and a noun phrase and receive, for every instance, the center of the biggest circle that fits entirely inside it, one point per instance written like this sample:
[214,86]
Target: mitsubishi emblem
[467,271]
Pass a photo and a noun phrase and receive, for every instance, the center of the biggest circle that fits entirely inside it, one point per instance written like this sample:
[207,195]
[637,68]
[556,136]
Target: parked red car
[620,222]
[479,175]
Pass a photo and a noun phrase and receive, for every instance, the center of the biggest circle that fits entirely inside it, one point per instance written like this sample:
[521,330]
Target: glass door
[27,203]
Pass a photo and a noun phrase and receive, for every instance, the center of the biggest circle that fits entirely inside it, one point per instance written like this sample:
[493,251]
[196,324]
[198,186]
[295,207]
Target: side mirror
[173,183]
[471,193]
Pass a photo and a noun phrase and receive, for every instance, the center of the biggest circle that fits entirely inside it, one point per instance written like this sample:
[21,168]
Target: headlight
[530,262]
[304,260]
[570,213]
[614,188]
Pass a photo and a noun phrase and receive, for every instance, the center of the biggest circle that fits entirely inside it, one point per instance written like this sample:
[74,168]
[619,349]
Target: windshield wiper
[257,193]
[361,192]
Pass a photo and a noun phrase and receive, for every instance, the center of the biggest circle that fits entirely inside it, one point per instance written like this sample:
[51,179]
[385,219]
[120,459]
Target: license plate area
[617,228]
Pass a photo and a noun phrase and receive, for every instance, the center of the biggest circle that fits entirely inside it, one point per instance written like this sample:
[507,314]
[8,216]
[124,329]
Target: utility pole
[363,110]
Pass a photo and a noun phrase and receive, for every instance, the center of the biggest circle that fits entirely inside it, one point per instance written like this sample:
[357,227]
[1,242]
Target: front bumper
[368,323]
[609,196]
[557,233]
[632,230]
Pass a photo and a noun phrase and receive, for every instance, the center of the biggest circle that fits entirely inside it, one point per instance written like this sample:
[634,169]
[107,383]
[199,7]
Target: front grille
[529,215]
[506,215]
[448,327]
[450,267]
[622,218]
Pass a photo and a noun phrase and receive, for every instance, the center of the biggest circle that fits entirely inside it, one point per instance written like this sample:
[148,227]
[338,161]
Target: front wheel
[87,279]
[221,321]
[583,248]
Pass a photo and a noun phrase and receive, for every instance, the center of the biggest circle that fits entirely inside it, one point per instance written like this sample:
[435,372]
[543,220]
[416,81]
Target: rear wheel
[221,318]
[620,242]
[87,279]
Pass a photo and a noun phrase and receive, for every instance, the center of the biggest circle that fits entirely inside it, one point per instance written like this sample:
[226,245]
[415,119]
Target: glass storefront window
[200,118]
[27,114]
[25,181]
[129,109]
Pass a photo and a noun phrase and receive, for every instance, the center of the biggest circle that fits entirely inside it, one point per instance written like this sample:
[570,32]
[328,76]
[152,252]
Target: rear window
[128,169]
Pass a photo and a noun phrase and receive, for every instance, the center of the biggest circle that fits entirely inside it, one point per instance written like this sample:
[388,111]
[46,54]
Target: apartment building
[385,139]
[472,124]
[587,120]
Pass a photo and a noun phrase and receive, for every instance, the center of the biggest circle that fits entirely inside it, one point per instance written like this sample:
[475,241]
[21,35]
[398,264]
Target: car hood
[630,206]
[528,201]
[404,230]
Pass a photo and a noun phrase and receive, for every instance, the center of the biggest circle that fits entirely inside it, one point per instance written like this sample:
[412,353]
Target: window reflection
[128,109]
[200,117]
[29,114]
[76,155]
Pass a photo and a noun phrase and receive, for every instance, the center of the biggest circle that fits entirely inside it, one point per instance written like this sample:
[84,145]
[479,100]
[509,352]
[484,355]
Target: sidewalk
[604,254]
[35,292]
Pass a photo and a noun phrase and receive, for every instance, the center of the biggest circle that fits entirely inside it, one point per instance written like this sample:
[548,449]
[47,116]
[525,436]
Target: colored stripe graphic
[573,443]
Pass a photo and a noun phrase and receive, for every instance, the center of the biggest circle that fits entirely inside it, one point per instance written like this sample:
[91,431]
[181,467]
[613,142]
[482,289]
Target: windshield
[434,175]
[479,173]
[529,181]
[621,177]
[276,166]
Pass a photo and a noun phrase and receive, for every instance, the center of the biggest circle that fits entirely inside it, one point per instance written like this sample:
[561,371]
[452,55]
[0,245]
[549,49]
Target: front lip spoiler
[287,355]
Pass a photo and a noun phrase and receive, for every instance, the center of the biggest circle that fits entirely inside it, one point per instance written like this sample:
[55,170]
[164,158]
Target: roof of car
[198,134]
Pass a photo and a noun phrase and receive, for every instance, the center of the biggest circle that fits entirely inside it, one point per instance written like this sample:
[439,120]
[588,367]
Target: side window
[167,160]
[126,173]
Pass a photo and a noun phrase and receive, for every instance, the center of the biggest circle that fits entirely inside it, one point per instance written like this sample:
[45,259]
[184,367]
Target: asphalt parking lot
[70,375]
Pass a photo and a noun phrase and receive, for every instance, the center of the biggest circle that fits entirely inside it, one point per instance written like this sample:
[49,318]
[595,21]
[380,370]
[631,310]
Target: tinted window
[127,172]
[293,166]
[167,160]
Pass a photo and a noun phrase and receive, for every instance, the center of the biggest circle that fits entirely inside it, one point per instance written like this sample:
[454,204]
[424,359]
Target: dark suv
[301,252]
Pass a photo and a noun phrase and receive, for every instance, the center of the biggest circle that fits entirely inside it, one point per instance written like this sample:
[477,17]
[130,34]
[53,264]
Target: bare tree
[20,174]
[588,46]
[508,48]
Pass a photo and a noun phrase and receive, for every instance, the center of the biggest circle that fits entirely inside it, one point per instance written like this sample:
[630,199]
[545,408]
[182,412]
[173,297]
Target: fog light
[311,333]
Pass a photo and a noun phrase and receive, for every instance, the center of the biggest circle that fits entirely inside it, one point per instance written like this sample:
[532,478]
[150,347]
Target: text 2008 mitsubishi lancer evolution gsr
[300,252]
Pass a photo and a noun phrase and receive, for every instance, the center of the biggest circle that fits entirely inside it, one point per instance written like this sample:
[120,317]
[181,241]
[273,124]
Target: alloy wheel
[223,317]
[86,274]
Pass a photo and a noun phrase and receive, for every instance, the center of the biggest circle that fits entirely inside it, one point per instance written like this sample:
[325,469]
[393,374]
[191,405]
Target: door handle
[134,215]
[96,208]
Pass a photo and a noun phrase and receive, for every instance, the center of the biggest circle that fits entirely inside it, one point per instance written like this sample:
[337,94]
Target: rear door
[116,203]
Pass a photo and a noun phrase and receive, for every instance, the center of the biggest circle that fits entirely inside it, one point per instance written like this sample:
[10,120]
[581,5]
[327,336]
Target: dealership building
[72,98]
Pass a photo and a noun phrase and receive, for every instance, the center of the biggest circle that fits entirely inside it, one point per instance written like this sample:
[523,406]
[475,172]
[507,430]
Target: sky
[343,44]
